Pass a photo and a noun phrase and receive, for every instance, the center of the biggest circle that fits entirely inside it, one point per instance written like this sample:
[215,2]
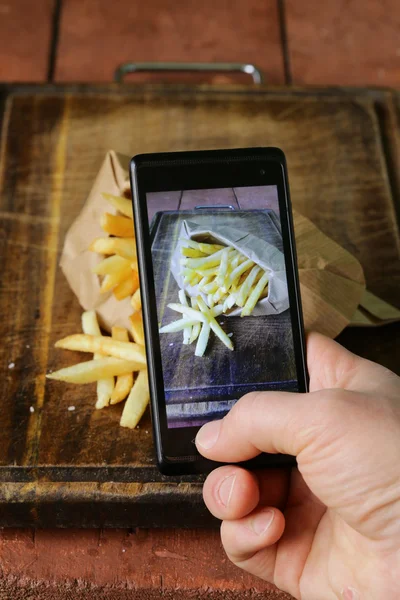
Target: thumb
[273,422]
[287,423]
[278,422]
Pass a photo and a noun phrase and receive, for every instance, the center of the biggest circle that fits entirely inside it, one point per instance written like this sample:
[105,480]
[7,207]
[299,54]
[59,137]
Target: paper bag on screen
[262,253]
[331,279]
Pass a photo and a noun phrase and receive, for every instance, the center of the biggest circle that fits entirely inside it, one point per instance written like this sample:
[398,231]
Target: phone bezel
[194,171]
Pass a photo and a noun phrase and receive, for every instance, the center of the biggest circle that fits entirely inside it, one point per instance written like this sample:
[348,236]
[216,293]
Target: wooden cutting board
[78,467]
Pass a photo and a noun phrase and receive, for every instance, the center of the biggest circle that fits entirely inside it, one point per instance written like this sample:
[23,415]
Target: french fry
[124,247]
[124,382]
[219,295]
[240,269]
[208,261]
[177,325]
[123,205]
[136,402]
[254,296]
[187,332]
[190,312]
[127,287]
[137,328]
[114,279]
[203,339]
[94,370]
[217,310]
[117,225]
[229,302]
[205,248]
[111,264]
[235,261]
[194,277]
[105,386]
[245,288]
[136,300]
[223,267]
[207,272]
[105,345]
[211,287]
[217,329]
[196,325]
[203,281]
[191,253]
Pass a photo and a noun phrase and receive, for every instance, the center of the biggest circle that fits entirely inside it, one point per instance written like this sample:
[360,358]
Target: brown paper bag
[331,279]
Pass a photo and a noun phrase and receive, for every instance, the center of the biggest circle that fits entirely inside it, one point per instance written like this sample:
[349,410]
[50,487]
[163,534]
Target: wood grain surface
[25,33]
[344,43]
[97,35]
[53,143]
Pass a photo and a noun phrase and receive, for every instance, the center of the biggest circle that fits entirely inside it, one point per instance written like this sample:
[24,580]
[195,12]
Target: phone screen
[222,298]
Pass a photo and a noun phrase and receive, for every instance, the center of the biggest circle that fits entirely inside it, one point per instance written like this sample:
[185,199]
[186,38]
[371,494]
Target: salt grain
[11,365]
[230,334]
[172,343]
[71,408]
[123,550]
[32,410]
[27,346]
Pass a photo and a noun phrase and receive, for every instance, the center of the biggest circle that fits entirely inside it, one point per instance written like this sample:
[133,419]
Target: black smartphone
[220,291]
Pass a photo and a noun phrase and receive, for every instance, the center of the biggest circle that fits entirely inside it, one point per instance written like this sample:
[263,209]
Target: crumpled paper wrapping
[77,262]
[265,255]
[331,279]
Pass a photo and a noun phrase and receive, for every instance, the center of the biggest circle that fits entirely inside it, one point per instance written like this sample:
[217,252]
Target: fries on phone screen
[226,280]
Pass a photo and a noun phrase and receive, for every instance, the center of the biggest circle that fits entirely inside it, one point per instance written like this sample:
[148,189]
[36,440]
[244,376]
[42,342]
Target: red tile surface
[25,32]
[344,43]
[164,561]
[97,35]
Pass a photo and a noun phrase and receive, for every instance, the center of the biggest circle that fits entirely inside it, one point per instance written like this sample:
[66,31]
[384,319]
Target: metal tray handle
[177,67]
[212,206]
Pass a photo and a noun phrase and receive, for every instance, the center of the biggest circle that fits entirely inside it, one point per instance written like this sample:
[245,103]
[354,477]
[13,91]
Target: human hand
[330,528]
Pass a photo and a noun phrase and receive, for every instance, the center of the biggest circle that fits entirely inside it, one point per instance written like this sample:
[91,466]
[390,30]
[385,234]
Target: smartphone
[220,291]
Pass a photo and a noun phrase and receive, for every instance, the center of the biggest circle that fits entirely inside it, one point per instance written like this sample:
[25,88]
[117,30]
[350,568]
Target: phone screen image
[222,299]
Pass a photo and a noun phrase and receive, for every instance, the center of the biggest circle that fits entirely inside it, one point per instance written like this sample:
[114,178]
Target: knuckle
[245,409]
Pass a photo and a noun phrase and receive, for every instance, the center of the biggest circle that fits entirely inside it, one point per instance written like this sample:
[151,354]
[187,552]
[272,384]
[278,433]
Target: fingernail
[262,521]
[208,434]
[225,489]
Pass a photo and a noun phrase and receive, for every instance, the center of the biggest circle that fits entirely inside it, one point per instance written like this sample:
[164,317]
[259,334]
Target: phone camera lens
[262,172]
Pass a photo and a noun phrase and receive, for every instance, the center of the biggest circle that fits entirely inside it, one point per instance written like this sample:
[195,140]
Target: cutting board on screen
[61,467]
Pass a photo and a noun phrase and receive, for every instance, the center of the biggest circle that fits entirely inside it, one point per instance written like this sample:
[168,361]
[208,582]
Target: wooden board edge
[207,89]
[89,505]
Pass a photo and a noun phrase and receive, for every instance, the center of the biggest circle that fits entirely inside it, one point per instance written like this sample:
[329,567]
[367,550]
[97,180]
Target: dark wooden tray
[79,468]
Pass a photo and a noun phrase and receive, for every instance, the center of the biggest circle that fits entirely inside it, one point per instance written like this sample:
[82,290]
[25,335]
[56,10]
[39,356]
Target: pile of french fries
[225,279]
[118,365]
